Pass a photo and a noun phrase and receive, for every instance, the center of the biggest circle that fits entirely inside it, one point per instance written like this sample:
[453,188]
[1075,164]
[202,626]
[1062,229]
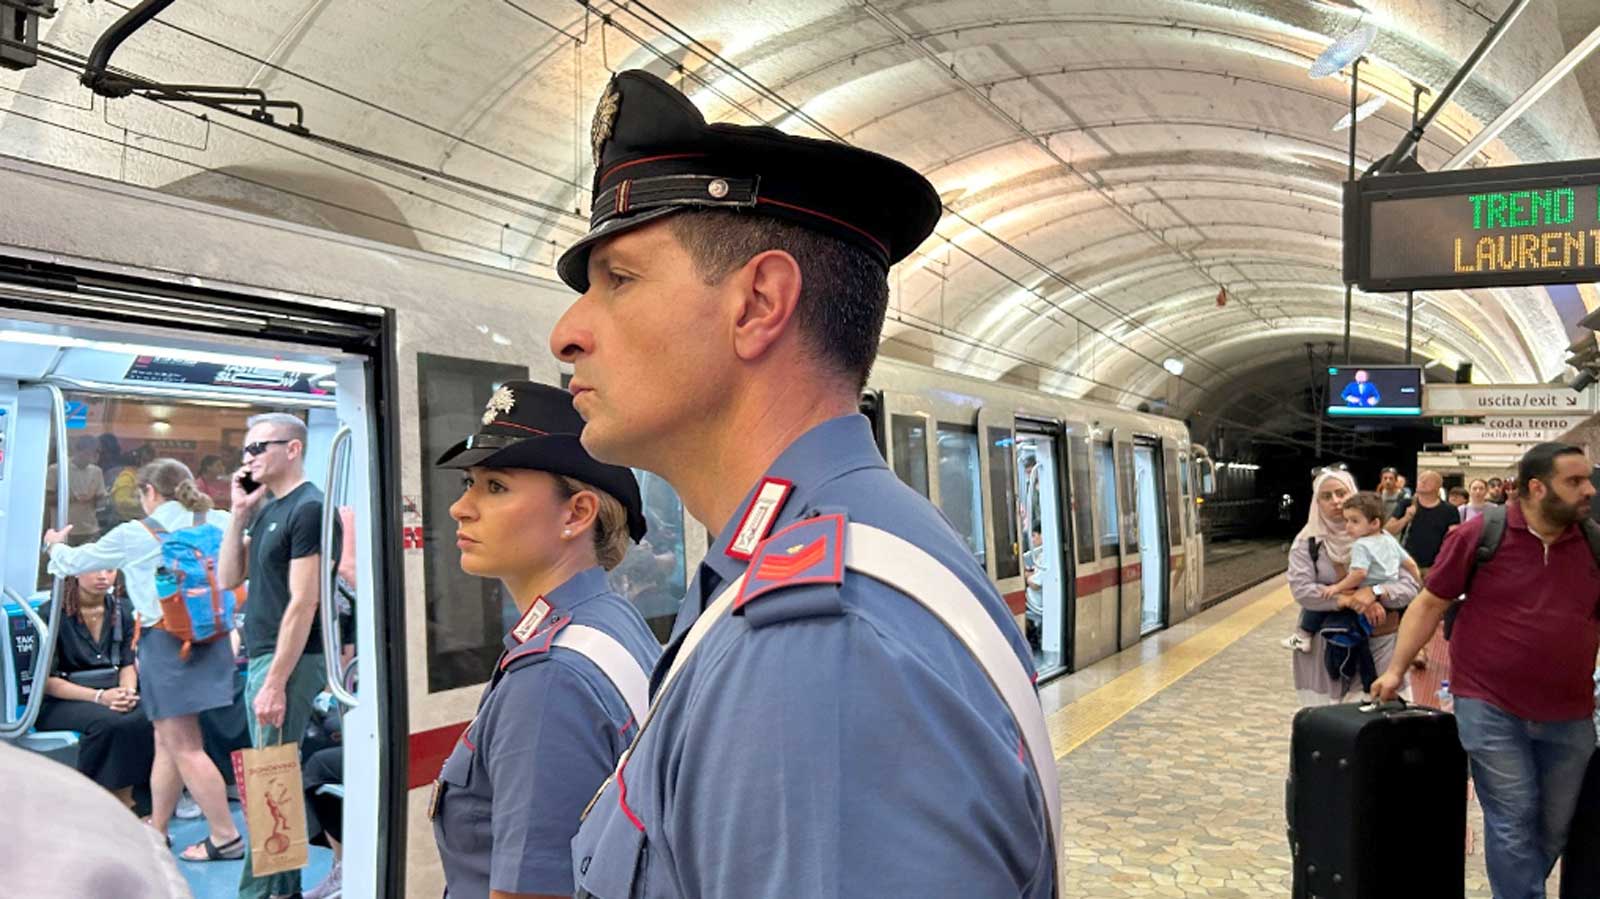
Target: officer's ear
[769,285]
[582,509]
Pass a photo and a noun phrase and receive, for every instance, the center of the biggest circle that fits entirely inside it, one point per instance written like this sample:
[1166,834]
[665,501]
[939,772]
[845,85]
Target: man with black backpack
[1522,586]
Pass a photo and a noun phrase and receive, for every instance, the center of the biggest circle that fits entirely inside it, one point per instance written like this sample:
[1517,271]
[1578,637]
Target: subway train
[135,324]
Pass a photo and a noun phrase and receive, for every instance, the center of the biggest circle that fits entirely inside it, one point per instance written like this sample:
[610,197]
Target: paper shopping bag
[274,807]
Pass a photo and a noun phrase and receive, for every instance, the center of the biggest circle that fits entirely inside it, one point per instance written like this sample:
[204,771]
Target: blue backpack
[194,608]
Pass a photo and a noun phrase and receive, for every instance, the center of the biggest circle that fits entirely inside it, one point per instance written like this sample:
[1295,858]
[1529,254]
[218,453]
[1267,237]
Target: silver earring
[567,532]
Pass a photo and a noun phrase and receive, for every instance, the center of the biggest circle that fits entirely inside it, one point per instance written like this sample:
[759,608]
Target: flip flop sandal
[227,852]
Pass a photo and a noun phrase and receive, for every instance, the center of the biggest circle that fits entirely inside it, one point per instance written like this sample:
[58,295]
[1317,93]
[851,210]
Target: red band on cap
[622,165]
[823,215]
[512,424]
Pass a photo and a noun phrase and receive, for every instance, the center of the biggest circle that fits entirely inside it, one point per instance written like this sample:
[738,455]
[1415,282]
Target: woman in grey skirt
[174,691]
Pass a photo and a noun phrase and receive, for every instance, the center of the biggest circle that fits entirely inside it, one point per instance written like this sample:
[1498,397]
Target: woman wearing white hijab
[1325,528]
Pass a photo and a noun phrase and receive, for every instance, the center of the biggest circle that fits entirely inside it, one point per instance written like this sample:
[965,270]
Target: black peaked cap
[533,426]
[654,155]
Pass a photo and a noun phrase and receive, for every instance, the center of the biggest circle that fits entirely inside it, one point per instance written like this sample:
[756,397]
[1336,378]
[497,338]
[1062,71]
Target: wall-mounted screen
[1373,390]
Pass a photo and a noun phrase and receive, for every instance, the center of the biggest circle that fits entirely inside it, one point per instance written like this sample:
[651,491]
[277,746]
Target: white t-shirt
[130,547]
[1380,556]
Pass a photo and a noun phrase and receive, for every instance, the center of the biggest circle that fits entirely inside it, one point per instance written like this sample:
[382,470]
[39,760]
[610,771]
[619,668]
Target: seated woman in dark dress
[92,687]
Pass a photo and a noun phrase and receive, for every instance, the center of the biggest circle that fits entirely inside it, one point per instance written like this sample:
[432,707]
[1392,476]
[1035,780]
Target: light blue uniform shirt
[550,728]
[827,740]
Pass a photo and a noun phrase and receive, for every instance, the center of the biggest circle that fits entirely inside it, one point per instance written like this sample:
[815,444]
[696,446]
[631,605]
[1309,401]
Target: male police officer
[845,708]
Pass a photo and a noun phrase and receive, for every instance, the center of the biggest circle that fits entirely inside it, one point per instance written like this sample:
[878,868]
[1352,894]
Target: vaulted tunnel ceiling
[1107,167]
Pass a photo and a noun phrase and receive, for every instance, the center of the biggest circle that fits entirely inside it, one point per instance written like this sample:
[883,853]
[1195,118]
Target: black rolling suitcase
[1359,775]
[1580,863]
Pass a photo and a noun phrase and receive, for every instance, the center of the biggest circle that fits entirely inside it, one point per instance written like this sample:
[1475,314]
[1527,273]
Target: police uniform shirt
[829,739]
[548,732]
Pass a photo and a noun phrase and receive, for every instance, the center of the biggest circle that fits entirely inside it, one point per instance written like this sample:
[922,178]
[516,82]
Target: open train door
[101,373]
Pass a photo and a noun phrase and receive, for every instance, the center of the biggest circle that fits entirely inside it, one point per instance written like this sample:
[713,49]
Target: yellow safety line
[1077,723]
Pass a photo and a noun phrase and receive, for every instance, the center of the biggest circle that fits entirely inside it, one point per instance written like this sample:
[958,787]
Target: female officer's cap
[655,154]
[533,426]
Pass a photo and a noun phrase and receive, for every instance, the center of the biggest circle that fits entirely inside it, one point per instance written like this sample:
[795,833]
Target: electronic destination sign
[1492,227]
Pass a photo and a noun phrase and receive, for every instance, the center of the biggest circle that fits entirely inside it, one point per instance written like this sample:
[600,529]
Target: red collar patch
[539,642]
[759,517]
[806,552]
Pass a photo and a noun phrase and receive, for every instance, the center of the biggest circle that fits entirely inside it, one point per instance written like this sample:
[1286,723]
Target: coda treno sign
[1494,227]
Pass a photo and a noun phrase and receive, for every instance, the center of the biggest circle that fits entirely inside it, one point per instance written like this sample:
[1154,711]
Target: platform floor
[1173,756]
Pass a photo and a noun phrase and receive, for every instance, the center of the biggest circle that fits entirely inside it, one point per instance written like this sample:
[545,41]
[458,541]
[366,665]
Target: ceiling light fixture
[62,341]
[1173,366]
[1364,111]
[1344,51]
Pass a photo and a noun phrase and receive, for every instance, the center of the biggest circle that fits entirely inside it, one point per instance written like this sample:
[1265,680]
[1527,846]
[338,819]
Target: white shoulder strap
[614,661]
[901,564]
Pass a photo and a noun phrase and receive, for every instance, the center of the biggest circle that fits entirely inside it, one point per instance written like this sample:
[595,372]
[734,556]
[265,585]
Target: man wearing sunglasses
[275,538]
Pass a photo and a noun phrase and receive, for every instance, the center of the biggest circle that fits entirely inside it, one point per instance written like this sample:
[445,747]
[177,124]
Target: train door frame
[1180,600]
[1054,430]
[1012,584]
[1080,494]
[1163,541]
[45,291]
[897,405]
[1130,591]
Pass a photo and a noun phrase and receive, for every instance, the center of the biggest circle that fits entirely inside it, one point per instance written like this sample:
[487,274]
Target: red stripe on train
[429,748]
[427,751]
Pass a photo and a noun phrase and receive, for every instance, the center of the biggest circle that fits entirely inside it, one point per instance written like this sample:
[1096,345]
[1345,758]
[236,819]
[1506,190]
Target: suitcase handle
[1394,705]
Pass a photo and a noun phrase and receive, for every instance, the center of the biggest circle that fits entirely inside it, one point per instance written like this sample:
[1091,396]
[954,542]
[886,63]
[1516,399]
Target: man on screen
[1360,392]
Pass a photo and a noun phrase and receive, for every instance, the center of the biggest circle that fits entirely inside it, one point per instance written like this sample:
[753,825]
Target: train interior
[85,402]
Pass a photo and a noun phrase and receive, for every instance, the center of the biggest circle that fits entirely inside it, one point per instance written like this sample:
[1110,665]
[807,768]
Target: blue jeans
[1528,774]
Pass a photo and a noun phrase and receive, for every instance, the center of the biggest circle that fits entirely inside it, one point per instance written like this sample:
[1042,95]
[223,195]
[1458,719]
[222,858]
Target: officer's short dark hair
[844,292]
[1539,463]
[1368,504]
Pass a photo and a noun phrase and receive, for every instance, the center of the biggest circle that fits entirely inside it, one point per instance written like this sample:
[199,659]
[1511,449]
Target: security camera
[1585,378]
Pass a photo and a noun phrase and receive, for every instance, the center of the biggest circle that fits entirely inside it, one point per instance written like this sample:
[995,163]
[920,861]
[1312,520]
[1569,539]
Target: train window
[1105,481]
[1082,498]
[910,434]
[1174,501]
[110,437]
[651,576]
[467,616]
[1003,504]
[1130,496]
[960,487]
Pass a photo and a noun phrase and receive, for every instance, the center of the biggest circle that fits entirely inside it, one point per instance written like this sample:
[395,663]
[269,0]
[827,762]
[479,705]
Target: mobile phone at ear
[249,484]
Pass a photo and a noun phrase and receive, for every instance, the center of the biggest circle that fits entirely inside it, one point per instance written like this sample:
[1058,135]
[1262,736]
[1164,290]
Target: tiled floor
[1173,759]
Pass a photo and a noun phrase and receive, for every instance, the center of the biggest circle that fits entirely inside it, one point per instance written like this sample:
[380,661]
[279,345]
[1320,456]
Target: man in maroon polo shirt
[1522,656]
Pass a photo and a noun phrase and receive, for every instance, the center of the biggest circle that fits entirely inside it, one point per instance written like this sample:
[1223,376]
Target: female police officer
[545,518]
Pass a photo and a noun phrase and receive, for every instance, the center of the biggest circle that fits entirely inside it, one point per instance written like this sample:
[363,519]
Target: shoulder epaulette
[807,554]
